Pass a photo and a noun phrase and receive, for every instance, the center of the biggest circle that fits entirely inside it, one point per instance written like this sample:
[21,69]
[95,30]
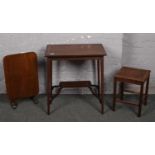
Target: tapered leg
[140,100]
[114,95]
[121,90]
[101,72]
[49,83]
[98,76]
[146,91]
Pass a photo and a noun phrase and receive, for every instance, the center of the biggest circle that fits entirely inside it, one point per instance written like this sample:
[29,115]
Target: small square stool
[131,76]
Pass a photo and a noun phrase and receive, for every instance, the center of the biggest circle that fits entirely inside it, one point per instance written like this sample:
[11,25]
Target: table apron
[75,58]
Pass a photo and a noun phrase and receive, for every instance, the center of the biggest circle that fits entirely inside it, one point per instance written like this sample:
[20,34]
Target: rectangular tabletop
[75,50]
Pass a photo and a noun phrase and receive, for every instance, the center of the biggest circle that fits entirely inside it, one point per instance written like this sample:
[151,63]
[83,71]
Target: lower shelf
[76,84]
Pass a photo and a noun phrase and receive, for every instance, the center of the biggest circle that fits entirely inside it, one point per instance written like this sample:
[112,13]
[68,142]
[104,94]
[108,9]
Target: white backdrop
[138,50]
[14,43]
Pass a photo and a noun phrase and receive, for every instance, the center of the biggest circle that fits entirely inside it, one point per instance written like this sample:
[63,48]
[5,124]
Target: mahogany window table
[93,52]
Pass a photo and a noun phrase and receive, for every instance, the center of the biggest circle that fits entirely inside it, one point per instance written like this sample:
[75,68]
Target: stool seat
[132,75]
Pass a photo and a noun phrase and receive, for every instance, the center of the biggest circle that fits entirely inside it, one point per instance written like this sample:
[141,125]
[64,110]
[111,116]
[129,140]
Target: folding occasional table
[75,52]
[21,76]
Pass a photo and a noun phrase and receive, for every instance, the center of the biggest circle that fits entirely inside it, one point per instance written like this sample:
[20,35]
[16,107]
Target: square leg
[121,90]
[49,83]
[114,95]
[98,76]
[140,100]
[100,66]
[146,91]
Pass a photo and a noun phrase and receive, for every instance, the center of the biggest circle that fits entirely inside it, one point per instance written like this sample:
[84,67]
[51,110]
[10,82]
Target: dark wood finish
[101,92]
[121,90]
[74,84]
[140,100]
[49,83]
[146,90]
[132,76]
[21,76]
[75,52]
[98,76]
[114,94]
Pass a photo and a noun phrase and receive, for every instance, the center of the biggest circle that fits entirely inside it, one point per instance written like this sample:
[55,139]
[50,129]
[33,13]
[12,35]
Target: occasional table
[94,52]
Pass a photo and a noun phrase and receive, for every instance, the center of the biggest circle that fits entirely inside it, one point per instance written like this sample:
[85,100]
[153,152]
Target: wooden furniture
[75,52]
[21,76]
[132,76]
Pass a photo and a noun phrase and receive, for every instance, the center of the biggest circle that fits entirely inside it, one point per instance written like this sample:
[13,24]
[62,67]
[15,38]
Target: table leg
[101,72]
[49,84]
[98,76]
[140,100]
[114,94]
[121,90]
[146,91]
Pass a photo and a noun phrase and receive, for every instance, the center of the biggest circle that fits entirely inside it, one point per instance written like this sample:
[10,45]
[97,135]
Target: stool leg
[121,90]
[114,95]
[140,100]
[146,91]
